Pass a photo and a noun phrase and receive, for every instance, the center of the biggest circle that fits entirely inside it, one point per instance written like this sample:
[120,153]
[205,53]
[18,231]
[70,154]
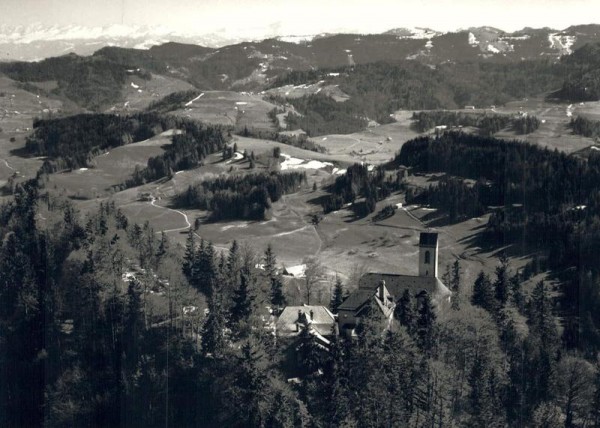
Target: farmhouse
[385,289]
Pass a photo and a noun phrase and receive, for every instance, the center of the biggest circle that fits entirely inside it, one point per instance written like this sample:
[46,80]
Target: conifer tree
[243,298]
[405,312]
[189,259]
[502,282]
[338,296]
[213,330]
[455,285]
[483,294]
[426,325]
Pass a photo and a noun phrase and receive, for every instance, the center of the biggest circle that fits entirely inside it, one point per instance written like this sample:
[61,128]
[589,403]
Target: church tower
[428,254]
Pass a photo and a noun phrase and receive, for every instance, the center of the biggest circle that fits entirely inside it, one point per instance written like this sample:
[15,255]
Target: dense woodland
[360,188]
[100,353]
[90,82]
[104,323]
[583,126]
[488,124]
[240,197]
[583,80]
[73,141]
[320,114]
[549,202]
[378,89]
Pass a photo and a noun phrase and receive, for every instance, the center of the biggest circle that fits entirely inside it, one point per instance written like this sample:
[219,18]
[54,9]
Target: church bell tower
[428,254]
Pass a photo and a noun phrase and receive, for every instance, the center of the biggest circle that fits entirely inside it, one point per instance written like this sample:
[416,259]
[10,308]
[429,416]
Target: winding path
[185,217]
[7,165]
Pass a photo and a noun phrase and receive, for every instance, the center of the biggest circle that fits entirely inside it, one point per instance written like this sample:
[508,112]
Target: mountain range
[35,42]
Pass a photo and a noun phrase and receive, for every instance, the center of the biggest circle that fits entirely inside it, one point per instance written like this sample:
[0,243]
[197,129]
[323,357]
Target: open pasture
[554,131]
[376,144]
[238,109]
[139,93]
[111,168]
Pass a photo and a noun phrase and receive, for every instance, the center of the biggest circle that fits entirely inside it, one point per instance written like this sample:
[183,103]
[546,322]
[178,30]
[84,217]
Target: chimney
[312,314]
[381,290]
[428,254]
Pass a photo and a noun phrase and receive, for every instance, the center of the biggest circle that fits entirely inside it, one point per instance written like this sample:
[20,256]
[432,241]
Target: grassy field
[238,109]
[109,169]
[139,93]
[554,132]
[345,246]
[18,108]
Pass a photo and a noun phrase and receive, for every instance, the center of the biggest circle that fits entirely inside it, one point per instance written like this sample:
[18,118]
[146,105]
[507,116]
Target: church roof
[396,284]
[428,239]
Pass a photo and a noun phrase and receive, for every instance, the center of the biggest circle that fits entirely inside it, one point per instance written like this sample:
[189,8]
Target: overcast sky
[254,18]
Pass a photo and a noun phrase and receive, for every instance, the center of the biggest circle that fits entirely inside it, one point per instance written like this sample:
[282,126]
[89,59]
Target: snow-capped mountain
[33,42]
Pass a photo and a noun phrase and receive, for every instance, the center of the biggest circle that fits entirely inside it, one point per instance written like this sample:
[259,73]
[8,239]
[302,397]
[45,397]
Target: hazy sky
[260,17]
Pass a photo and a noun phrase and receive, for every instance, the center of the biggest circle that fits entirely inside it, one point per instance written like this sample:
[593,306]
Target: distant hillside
[583,81]
[90,82]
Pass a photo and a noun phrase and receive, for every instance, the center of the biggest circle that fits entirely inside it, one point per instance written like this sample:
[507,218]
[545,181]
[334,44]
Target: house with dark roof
[383,290]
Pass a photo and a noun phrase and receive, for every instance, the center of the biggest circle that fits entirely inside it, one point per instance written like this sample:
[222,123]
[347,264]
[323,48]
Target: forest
[540,200]
[583,81]
[378,89]
[361,188]
[91,82]
[488,124]
[240,197]
[583,126]
[100,353]
[187,151]
[73,141]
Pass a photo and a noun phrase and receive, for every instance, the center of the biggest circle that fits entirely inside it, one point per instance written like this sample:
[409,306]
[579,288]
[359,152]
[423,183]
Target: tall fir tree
[338,295]
[483,294]
[426,325]
[502,282]
[455,285]
[404,312]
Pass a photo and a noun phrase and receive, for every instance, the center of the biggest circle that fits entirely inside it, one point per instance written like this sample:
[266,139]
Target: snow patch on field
[296,163]
[561,42]
[296,271]
[493,49]
[232,226]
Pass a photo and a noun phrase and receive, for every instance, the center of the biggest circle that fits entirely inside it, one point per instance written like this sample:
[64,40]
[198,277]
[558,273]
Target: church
[385,289]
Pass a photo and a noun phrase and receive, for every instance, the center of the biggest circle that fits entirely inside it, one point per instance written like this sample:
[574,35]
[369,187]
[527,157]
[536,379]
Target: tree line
[488,124]
[83,347]
[241,196]
[74,141]
[544,201]
[583,126]
[360,183]
[186,151]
